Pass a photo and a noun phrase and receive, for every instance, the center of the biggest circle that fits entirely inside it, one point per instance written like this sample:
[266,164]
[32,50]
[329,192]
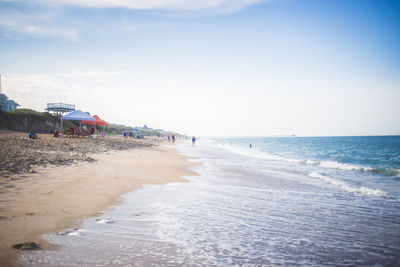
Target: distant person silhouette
[193,140]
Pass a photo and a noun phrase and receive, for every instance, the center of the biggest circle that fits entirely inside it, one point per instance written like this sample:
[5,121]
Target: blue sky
[306,67]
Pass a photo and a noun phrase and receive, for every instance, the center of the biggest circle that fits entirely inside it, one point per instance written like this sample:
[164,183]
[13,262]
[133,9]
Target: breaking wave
[349,188]
[253,152]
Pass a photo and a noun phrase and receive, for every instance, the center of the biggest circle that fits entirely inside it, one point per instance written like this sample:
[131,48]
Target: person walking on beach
[193,140]
[173,138]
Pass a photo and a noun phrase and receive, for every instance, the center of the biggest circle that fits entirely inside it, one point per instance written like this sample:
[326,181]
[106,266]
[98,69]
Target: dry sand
[19,154]
[56,198]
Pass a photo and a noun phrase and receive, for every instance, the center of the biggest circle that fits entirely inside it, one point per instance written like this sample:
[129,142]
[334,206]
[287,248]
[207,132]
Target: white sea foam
[250,152]
[195,160]
[352,189]
[343,166]
[104,221]
[254,152]
[72,232]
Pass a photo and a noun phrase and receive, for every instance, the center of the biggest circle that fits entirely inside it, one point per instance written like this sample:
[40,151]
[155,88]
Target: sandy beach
[19,154]
[52,184]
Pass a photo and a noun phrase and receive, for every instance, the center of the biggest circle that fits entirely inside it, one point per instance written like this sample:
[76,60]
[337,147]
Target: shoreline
[56,198]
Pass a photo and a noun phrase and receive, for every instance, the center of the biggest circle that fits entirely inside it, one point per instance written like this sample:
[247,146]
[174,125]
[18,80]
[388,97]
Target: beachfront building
[59,108]
[7,104]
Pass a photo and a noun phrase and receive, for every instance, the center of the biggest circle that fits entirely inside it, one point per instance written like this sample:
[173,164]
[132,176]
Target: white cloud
[11,53]
[46,19]
[34,91]
[40,24]
[223,5]
[89,74]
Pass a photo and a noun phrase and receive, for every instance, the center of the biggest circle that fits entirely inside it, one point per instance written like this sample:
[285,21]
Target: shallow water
[243,208]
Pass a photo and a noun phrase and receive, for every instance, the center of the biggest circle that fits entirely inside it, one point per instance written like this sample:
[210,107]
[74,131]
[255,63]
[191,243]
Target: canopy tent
[76,115]
[97,121]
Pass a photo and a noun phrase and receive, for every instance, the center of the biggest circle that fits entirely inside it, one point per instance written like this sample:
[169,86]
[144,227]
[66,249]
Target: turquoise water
[370,153]
[369,161]
[329,201]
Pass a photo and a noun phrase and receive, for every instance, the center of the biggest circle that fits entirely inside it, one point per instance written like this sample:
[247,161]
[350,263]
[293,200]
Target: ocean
[295,201]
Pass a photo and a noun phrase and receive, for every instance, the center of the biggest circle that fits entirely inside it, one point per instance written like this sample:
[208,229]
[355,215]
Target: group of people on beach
[128,134]
[171,138]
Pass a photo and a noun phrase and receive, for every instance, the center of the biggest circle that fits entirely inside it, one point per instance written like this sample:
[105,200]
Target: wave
[395,173]
[349,188]
[255,153]
[104,221]
[72,232]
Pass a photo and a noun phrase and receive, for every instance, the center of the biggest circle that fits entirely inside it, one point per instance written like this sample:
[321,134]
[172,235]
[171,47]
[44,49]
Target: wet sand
[48,197]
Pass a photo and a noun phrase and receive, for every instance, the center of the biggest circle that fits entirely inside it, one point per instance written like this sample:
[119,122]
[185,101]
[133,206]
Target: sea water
[321,201]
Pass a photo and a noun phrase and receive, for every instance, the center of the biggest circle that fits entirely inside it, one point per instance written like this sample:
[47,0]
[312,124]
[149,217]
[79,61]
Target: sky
[210,68]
